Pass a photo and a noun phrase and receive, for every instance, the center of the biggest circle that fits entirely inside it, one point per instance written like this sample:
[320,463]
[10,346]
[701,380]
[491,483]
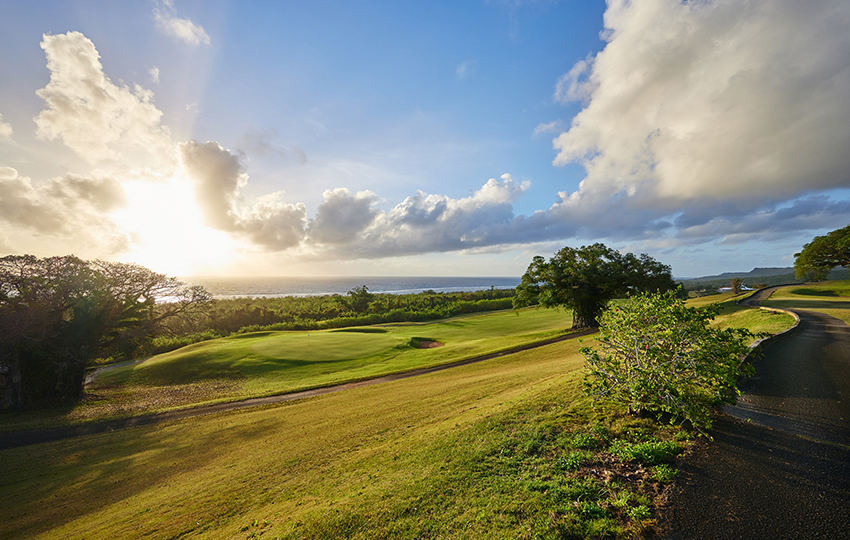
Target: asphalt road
[779,465]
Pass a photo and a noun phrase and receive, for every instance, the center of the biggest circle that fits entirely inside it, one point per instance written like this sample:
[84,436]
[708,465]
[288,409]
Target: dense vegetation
[357,308]
[61,315]
[58,314]
[656,354]
[822,254]
[585,279]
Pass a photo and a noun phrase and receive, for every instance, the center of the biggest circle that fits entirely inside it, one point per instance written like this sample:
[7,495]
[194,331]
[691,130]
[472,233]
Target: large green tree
[823,254]
[58,314]
[585,279]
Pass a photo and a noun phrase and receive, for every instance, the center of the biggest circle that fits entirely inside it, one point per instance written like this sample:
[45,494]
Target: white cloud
[154,73]
[5,130]
[551,127]
[73,207]
[691,103]
[185,30]
[426,223]
[465,68]
[572,86]
[99,120]
[342,216]
[218,176]
[701,121]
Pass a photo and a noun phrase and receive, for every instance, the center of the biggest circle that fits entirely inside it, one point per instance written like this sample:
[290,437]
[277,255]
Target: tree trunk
[584,319]
[11,396]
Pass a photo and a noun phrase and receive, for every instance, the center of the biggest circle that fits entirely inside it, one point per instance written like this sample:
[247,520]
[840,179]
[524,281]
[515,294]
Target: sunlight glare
[168,232]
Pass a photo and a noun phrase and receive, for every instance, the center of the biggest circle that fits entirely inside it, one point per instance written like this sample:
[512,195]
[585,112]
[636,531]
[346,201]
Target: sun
[167,230]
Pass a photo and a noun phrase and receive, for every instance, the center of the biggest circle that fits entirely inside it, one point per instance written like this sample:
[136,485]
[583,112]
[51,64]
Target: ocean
[275,287]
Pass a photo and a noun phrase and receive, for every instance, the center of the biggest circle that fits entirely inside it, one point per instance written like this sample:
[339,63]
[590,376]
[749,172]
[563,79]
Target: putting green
[324,346]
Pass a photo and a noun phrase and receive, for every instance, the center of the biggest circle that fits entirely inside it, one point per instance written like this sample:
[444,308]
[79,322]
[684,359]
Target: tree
[656,354]
[736,284]
[822,254]
[358,299]
[58,314]
[585,279]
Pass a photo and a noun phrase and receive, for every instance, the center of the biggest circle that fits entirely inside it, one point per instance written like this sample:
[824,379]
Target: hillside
[756,276]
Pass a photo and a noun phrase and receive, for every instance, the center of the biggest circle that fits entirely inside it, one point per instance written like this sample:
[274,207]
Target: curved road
[779,465]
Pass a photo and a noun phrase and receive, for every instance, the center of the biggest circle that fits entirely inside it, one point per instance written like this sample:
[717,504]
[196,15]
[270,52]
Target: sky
[382,138]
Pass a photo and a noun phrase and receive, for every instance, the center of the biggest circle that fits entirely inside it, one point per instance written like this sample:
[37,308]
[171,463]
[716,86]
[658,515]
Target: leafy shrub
[656,354]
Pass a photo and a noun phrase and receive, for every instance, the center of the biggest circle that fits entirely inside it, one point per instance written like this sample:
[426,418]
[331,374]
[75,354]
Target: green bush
[656,354]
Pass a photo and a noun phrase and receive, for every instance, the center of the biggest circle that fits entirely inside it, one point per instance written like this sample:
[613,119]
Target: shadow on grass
[815,292]
[51,485]
[361,330]
[815,305]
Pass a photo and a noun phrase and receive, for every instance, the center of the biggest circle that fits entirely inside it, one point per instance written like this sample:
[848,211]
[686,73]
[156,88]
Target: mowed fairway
[268,363]
[830,297]
[389,461]
[480,450]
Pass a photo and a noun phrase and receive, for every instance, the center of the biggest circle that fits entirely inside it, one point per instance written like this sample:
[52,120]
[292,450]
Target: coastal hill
[756,276]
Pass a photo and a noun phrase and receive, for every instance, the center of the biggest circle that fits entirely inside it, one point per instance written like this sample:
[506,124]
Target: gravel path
[779,465]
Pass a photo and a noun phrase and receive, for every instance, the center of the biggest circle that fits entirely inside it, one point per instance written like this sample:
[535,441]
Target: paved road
[779,465]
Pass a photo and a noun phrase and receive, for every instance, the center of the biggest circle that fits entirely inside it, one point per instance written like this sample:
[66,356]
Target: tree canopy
[823,254]
[585,279]
[57,314]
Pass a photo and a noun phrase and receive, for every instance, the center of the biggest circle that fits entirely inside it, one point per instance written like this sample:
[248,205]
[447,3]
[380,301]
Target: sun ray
[167,230]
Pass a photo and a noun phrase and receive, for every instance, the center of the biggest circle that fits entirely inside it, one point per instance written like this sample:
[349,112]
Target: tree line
[60,316]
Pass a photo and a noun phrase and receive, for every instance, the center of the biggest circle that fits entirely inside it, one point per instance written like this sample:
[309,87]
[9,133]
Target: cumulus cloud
[342,216]
[99,120]
[185,30]
[5,130]
[218,176]
[72,207]
[154,73]
[425,223]
[696,102]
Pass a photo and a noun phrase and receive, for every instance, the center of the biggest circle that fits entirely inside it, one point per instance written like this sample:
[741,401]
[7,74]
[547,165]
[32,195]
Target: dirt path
[25,438]
[779,465]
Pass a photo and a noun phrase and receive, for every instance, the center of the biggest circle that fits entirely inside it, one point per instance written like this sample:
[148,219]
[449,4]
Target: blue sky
[417,138]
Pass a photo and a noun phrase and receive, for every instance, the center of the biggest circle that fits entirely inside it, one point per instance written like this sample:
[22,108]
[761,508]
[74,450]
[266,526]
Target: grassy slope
[735,316]
[470,452]
[464,453]
[830,297]
[268,363]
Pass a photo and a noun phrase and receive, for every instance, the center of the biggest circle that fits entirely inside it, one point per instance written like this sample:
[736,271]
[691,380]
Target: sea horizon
[277,287]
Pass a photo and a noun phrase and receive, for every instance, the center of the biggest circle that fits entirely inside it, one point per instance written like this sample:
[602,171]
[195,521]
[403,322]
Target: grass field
[755,320]
[505,448]
[270,363]
[830,297]
[465,453]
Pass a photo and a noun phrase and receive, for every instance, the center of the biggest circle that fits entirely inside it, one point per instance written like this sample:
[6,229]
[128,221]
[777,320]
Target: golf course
[509,447]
